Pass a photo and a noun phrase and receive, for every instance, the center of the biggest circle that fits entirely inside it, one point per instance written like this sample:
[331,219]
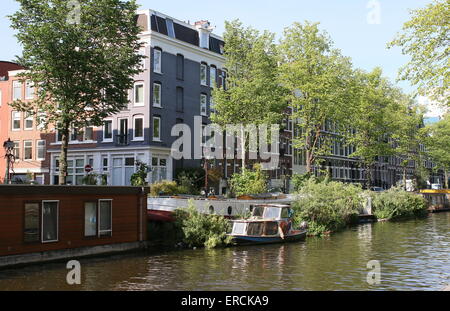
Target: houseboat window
[255,228]
[230,210]
[105,218]
[271,228]
[239,228]
[272,212]
[258,211]
[49,221]
[31,230]
[90,219]
[211,209]
[285,213]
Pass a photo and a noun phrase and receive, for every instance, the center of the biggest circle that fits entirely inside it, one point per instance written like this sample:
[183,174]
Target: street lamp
[9,147]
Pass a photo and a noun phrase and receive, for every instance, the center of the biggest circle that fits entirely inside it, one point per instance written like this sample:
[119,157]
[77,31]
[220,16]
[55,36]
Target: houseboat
[269,223]
[438,200]
[162,208]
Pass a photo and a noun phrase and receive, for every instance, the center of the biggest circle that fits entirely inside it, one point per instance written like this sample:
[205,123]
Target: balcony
[122,140]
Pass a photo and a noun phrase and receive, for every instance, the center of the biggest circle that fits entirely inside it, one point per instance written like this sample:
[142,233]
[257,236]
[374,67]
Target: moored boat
[268,224]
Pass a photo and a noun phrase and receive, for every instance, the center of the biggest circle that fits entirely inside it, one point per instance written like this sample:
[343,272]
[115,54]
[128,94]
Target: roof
[6,66]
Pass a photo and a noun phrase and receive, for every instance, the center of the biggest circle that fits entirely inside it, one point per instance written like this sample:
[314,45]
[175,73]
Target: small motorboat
[268,224]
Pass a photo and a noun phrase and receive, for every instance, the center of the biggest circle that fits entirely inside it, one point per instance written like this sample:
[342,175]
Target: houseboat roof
[82,190]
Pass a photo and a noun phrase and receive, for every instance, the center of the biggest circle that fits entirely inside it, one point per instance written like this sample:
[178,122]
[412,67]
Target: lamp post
[9,147]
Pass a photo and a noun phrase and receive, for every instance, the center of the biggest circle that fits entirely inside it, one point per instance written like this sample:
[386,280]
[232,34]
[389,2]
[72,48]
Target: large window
[107,130]
[157,94]
[157,60]
[28,150]
[28,121]
[157,128]
[180,99]
[31,223]
[16,150]
[16,121]
[29,90]
[17,90]
[105,218]
[212,76]
[159,169]
[203,74]
[138,128]
[40,150]
[49,221]
[139,94]
[180,67]
[203,104]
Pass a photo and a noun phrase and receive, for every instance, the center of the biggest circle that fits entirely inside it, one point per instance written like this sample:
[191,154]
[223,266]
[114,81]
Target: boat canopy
[271,212]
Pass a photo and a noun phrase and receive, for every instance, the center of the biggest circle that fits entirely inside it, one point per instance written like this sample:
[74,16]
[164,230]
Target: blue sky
[345,20]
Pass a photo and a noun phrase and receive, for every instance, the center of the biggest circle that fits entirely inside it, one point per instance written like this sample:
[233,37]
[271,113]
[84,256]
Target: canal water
[413,255]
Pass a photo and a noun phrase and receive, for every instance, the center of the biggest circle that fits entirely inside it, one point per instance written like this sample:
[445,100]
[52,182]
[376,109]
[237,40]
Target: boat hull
[253,240]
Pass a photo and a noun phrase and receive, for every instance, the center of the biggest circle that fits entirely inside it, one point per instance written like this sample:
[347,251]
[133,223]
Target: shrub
[138,178]
[327,205]
[202,230]
[397,203]
[249,182]
[164,187]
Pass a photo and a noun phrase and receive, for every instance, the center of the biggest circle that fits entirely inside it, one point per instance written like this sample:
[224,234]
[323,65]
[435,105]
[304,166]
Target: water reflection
[413,255]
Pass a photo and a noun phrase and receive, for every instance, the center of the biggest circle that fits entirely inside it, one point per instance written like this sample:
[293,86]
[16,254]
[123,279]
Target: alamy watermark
[374,15]
[74,275]
[374,275]
[74,12]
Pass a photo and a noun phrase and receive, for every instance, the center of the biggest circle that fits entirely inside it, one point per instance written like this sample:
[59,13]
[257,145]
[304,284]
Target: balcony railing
[122,140]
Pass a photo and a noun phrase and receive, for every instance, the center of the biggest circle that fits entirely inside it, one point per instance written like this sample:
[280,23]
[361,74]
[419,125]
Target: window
[212,76]
[255,228]
[31,223]
[49,221]
[105,218]
[157,128]
[203,74]
[159,169]
[157,60]
[28,121]
[271,228]
[29,90]
[139,94]
[40,150]
[212,105]
[40,121]
[157,94]
[27,150]
[180,99]
[144,58]
[15,120]
[170,29]
[17,90]
[180,67]
[203,100]
[90,219]
[138,128]
[239,228]
[16,150]
[123,132]
[107,130]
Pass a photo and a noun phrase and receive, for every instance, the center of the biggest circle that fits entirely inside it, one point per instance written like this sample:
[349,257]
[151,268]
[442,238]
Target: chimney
[204,29]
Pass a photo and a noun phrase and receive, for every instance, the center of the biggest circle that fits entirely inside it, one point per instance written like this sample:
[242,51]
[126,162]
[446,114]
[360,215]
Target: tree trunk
[446,179]
[368,176]
[404,178]
[243,148]
[308,154]
[63,156]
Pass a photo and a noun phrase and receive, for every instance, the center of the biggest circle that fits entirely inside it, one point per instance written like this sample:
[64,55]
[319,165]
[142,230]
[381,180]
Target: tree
[437,144]
[407,137]
[319,80]
[373,119]
[249,182]
[426,38]
[253,95]
[82,62]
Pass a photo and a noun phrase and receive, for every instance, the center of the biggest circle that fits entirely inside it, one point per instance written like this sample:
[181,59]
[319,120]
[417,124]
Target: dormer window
[204,30]
[170,29]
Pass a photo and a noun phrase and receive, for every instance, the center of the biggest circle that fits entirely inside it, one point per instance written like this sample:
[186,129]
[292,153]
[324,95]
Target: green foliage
[164,188]
[319,80]
[299,180]
[84,69]
[90,179]
[253,94]
[397,203]
[437,142]
[191,180]
[327,206]
[202,230]
[249,182]
[138,178]
[425,39]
